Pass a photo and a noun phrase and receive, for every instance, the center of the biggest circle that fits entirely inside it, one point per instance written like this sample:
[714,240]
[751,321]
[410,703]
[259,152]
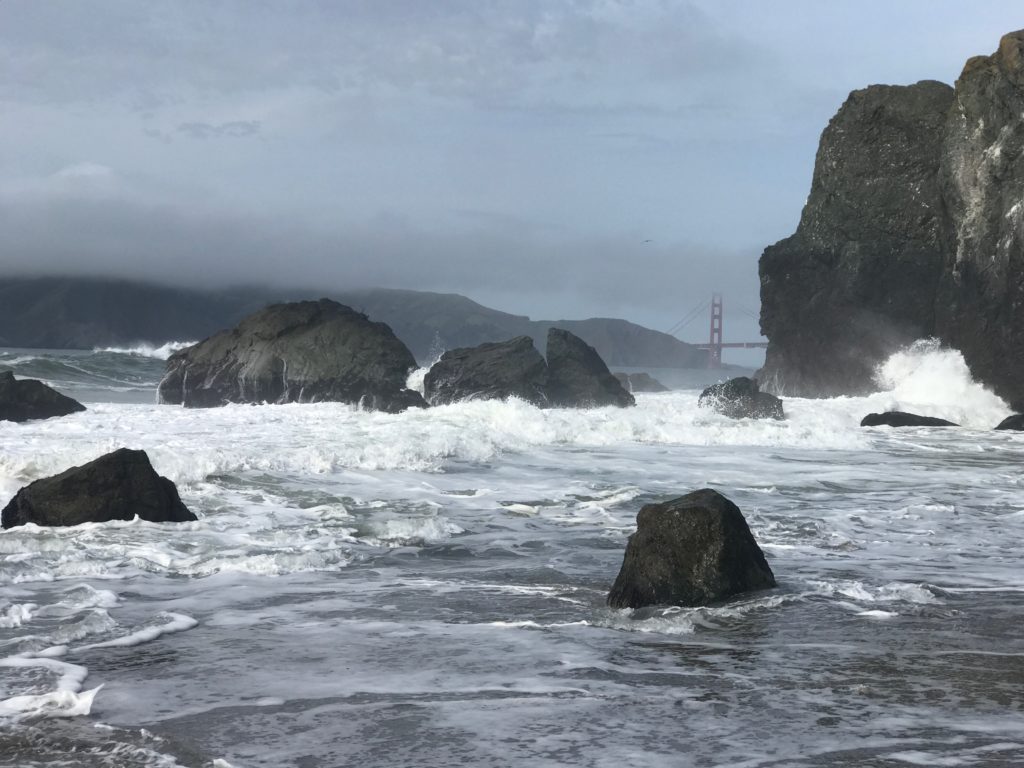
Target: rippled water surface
[428,588]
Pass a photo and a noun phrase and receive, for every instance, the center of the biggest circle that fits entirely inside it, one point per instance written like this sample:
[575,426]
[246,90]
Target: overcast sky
[558,159]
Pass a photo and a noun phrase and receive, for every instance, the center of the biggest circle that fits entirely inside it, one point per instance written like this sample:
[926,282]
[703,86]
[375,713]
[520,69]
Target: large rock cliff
[913,228]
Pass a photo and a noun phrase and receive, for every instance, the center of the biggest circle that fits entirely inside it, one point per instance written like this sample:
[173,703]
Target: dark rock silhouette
[639,382]
[914,228]
[578,377]
[1014,422]
[741,398]
[902,419]
[116,486]
[504,369]
[691,551]
[307,351]
[28,399]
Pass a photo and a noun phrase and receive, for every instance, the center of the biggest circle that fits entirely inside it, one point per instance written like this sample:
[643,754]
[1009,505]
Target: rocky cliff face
[913,228]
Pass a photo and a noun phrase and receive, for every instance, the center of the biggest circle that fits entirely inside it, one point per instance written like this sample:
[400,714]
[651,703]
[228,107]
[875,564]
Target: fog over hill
[87,313]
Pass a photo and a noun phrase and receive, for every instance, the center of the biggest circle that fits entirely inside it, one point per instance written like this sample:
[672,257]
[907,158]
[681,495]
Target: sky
[558,158]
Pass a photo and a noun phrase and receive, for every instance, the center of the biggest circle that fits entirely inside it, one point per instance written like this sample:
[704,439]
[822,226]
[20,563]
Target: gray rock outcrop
[28,399]
[741,398]
[1014,422]
[573,376]
[307,351]
[639,382]
[117,486]
[914,228]
[495,371]
[578,377]
[694,550]
[903,419]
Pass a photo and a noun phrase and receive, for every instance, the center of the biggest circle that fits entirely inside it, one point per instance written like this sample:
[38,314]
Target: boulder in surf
[493,371]
[903,419]
[578,377]
[28,399]
[691,551]
[306,351]
[639,382]
[1014,422]
[741,398]
[117,486]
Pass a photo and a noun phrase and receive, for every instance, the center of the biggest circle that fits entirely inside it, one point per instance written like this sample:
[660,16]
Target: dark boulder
[492,371]
[901,419]
[640,382]
[578,377]
[305,352]
[117,486]
[741,398]
[691,551]
[27,399]
[1014,422]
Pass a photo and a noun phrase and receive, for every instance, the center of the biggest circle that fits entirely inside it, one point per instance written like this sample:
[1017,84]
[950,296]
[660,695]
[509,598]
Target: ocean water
[427,588]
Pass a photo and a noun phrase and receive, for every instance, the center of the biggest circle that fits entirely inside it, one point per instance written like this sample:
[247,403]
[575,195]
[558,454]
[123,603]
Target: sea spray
[932,380]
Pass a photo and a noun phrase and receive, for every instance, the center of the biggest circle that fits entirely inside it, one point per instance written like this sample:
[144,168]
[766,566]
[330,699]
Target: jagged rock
[902,419]
[498,370]
[857,280]
[1014,422]
[578,377]
[307,351]
[27,399]
[693,550]
[117,486]
[741,398]
[640,382]
[914,228]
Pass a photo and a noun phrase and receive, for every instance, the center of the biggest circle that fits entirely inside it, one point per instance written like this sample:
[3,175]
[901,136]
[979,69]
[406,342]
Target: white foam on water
[67,700]
[17,614]
[931,380]
[161,352]
[169,623]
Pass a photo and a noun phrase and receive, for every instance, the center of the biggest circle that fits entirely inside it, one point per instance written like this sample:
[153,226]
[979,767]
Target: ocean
[428,588]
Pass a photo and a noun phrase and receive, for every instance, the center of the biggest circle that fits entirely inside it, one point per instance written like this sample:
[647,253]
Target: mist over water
[428,588]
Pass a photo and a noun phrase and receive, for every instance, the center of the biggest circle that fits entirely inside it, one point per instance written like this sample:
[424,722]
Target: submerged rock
[1015,422]
[741,398]
[902,419]
[307,351]
[691,551]
[117,486]
[493,371]
[578,377]
[640,382]
[28,399]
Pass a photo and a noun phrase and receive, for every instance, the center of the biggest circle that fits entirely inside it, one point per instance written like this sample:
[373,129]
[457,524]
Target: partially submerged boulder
[741,398]
[640,382]
[902,419]
[574,375]
[117,486]
[494,371]
[307,351]
[1015,422]
[578,377]
[690,551]
[28,399]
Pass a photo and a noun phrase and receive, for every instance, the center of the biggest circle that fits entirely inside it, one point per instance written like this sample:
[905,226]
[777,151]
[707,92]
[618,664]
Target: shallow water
[428,588]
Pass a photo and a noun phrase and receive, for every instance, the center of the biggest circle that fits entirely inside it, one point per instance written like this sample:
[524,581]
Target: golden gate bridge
[715,344]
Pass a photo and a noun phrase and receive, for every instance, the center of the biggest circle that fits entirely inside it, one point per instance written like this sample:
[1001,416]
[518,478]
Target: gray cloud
[519,151]
[235,129]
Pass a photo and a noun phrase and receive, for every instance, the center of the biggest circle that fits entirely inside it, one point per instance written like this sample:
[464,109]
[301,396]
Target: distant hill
[82,313]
